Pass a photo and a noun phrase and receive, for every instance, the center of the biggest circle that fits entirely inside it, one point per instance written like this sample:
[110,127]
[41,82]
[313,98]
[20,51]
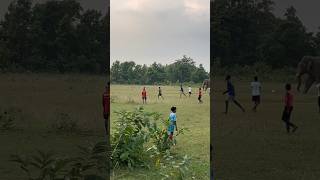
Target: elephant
[206,84]
[309,65]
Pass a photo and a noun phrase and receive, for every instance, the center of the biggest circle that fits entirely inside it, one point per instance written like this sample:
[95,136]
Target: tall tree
[16,35]
[199,74]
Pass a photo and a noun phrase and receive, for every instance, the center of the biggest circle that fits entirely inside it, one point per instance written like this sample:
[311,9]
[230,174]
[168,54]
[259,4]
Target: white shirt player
[256,87]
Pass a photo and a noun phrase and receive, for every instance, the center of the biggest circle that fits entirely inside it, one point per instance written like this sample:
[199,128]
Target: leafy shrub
[138,141]
[129,138]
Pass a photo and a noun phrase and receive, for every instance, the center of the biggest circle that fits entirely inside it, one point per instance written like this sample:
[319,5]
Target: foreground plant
[92,163]
[139,141]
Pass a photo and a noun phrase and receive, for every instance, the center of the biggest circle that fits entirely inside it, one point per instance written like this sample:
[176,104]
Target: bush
[91,164]
[138,141]
[129,138]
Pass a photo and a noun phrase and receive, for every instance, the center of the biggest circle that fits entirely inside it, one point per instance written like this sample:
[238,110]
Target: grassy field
[38,101]
[255,145]
[190,115]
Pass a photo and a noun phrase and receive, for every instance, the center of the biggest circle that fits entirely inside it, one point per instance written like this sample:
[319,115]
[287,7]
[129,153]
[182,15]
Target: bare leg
[255,106]
[227,106]
[289,124]
[107,124]
[239,105]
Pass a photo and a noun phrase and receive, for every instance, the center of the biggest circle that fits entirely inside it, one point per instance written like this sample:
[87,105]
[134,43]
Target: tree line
[53,36]
[182,70]
[245,32]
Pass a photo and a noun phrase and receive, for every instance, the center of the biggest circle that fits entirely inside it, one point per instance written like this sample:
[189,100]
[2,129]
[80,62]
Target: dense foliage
[91,163]
[247,31]
[182,70]
[53,36]
[140,139]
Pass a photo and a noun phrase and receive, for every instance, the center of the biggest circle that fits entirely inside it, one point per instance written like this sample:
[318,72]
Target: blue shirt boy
[172,120]
[230,89]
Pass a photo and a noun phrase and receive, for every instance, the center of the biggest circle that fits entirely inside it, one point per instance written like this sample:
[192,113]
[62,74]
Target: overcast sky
[145,31]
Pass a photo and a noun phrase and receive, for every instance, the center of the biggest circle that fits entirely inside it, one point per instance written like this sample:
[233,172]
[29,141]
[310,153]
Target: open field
[190,115]
[255,145]
[39,99]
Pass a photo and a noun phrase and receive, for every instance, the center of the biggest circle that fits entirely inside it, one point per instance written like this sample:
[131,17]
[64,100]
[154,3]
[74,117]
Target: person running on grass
[172,122]
[160,93]
[182,91]
[190,91]
[288,107]
[144,95]
[231,95]
[106,107]
[200,95]
[256,90]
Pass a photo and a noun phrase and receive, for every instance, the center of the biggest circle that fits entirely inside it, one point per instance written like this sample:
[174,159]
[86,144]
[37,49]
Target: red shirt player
[106,107]
[144,95]
[288,107]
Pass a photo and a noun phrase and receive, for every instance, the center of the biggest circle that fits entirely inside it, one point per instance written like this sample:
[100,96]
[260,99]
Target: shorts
[189,92]
[199,98]
[144,98]
[160,94]
[256,99]
[286,114]
[171,129]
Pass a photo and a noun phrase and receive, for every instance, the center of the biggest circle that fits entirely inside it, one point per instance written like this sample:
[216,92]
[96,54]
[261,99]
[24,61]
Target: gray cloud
[160,30]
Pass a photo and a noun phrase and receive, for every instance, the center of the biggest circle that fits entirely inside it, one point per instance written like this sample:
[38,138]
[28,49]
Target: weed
[48,166]
[138,141]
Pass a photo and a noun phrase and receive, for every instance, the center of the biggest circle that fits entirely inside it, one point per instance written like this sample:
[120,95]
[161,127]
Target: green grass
[256,146]
[40,97]
[190,115]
